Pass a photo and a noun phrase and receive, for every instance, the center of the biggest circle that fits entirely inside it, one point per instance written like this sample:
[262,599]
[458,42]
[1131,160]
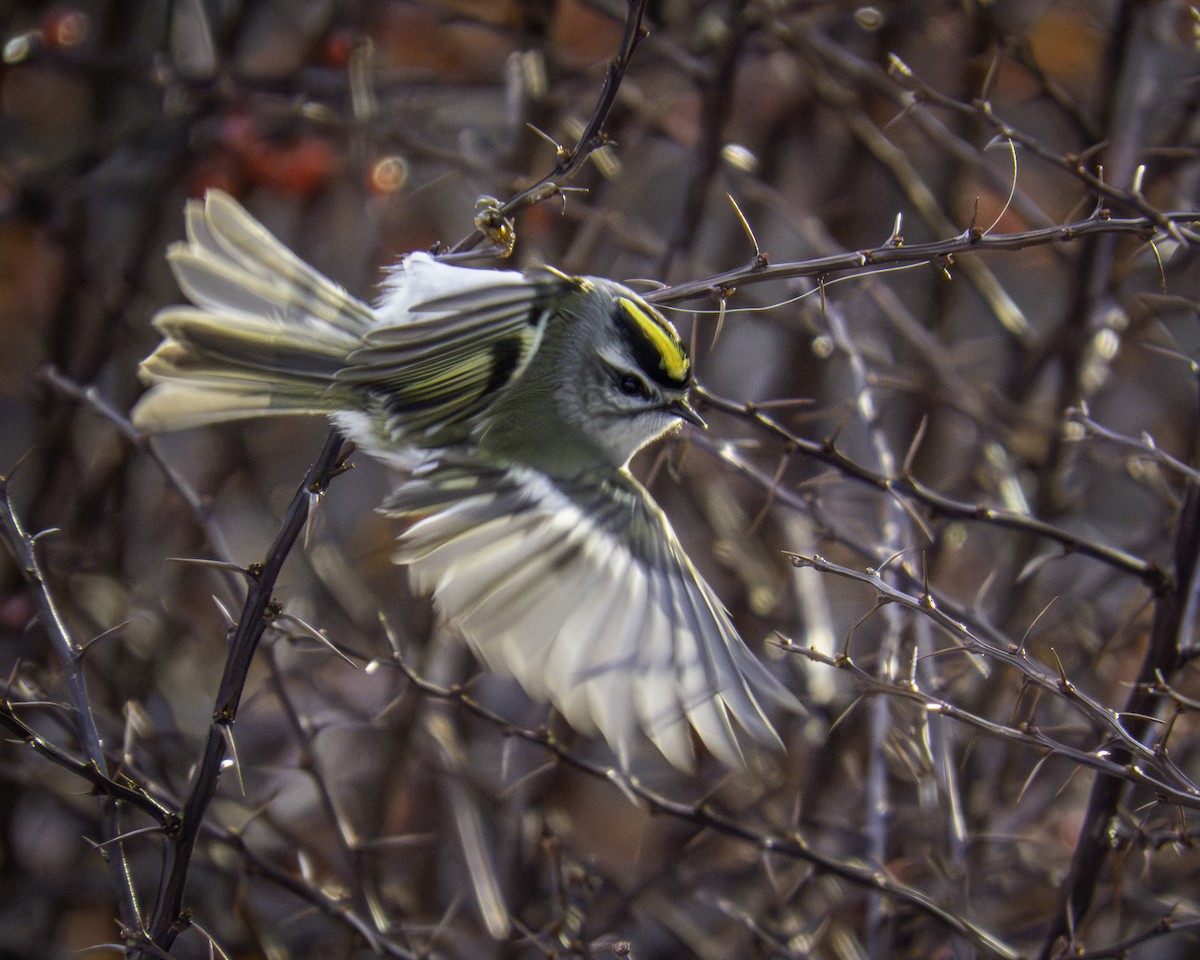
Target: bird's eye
[632,386]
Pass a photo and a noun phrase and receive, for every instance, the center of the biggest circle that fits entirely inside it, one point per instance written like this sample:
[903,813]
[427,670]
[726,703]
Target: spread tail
[267,334]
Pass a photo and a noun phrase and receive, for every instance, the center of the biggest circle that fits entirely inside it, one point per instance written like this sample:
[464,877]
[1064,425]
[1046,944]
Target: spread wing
[582,592]
[448,356]
[268,334]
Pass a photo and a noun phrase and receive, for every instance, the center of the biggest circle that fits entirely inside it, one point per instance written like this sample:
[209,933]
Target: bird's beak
[685,411]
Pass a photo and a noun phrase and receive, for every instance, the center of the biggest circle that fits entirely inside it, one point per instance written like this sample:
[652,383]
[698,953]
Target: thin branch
[70,655]
[90,396]
[570,161]
[1145,447]
[1121,949]
[168,919]
[128,792]
[1171,782]
[1025,733]
[973,240]
[716,95]
[1075,165]
[702,814]
[157,808]
[314,896]
[827,452]
[1161,660]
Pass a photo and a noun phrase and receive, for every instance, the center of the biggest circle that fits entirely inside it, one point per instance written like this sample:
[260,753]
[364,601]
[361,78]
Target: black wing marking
[449,363]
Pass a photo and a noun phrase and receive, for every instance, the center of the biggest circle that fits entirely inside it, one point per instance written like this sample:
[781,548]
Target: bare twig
[1161,660]
[571,160]
[907,486]
[168,918]
[716,95]
[703,815]
[1144,446]
[1076,166]
[973,240]
[1122,730]
[127,792]
[140,441]
[70,655]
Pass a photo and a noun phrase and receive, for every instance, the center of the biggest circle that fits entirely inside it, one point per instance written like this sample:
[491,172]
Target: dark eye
[632,386]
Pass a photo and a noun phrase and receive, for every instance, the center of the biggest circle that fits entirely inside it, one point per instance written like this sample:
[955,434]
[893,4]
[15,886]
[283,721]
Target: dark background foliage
[983,455]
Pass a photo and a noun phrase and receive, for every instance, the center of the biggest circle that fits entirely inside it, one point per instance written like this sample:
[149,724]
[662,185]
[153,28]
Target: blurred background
[946,796]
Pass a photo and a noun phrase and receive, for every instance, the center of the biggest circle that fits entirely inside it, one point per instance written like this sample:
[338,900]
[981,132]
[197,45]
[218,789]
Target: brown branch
[895,252]
[168,919]
[829,57]
[1121,950]
[905,485]
[312,894]
[129,792]
[716,96]
[1026,734]
[1123,729]
[1143,448]
[571,160]
[1076,166]
[792,847]
[1161,660]
[70,655]
[134,794]
[142,442]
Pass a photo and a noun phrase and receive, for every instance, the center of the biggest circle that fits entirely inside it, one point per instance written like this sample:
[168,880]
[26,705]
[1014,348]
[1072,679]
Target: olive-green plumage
[513,402]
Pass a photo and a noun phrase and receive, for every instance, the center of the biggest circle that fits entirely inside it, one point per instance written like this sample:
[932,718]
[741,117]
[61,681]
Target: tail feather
[232,262]
[267,336]
[184,404]
[255,343]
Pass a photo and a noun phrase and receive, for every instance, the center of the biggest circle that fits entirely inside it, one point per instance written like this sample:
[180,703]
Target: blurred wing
[582,592]
[269,334]
[446,357]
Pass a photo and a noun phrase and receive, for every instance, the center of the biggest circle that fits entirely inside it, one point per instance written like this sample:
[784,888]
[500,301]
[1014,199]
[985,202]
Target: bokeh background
[949,772]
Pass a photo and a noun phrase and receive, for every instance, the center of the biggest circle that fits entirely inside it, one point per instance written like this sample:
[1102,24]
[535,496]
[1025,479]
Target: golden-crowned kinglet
[513,402]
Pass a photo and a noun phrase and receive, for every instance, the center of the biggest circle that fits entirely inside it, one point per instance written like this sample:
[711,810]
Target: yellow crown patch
[662,337]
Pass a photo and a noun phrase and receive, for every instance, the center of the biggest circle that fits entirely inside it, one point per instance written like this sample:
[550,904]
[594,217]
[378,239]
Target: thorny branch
[70,654]
[906,485]
[895,252]
[791,846]
[129,791]
[90,396]
[717,95]
[570,160]
[1076,166]
[1144,446]
[1119,740]
[159,809]
[312,894]
[167,921]
[1172,617]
